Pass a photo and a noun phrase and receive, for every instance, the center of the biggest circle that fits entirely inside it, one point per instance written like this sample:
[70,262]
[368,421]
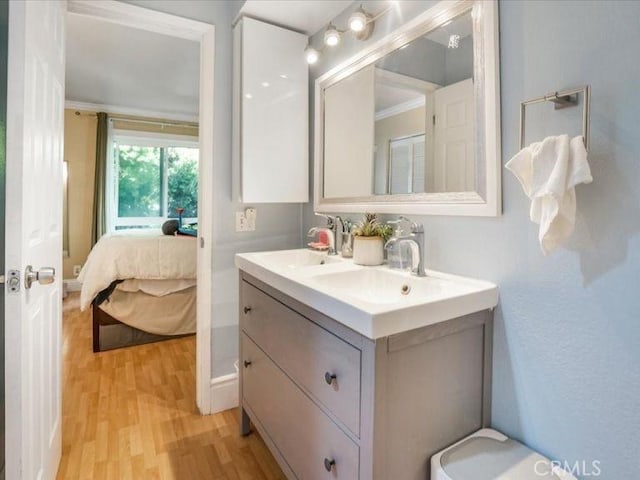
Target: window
[407,172]
[151,178]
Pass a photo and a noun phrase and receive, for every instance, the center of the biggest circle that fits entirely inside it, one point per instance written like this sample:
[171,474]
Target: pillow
[170,227]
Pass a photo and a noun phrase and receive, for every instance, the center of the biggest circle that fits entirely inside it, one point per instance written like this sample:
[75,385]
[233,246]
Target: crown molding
[400,108]
[129,111]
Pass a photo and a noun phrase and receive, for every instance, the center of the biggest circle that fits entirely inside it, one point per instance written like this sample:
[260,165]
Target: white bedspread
[155,288]
[146,256]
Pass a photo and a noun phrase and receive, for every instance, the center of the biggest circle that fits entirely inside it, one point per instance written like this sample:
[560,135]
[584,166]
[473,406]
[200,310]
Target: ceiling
[388,96]
[114,65]
[118,66]
[306,16]
[462,25]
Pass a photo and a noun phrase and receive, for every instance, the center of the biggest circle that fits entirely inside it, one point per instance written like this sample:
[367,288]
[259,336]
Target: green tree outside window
[155,181]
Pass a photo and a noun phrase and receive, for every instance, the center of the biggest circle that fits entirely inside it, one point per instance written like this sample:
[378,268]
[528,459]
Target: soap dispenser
[398,253]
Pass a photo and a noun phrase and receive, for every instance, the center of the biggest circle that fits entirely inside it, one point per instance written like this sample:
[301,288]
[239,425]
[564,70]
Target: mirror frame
[487,200]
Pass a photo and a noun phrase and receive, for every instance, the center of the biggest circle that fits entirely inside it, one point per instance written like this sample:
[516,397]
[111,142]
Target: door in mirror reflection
[424,114]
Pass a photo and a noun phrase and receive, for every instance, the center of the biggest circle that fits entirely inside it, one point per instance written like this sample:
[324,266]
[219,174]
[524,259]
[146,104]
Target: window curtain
[99,225]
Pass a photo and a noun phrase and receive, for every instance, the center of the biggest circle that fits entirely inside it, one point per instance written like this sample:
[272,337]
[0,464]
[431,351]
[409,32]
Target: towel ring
[563,99]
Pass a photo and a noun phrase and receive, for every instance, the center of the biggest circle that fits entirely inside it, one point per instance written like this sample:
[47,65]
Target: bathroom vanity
[356,372]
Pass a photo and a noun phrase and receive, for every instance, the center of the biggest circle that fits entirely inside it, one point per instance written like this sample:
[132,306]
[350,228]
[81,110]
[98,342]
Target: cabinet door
[311,444]
[307,353]
[274,114]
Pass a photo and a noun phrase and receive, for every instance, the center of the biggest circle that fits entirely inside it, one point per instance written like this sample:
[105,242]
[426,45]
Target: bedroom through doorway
[137,216]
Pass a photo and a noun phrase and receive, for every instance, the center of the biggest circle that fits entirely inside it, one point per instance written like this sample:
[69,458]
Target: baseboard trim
[224,393]
[73,285]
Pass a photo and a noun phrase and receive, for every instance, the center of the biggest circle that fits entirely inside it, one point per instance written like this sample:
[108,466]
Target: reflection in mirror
[405,124]
[424,135]
[411,124]
[348,130]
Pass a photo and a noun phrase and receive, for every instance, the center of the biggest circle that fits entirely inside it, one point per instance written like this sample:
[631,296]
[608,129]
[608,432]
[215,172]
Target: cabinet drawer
[302,433]
[308,353]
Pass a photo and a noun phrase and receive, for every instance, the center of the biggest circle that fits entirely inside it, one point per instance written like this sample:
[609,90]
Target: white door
[454,159]
[35,109]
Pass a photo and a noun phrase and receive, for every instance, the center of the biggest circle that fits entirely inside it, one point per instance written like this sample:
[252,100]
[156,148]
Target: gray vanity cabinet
[332,404]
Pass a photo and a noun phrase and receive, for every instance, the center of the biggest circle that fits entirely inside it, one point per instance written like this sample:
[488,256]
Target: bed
[141,287]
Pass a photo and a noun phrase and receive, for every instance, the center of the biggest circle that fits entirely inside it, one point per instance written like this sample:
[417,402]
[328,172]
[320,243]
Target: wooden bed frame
[103,319]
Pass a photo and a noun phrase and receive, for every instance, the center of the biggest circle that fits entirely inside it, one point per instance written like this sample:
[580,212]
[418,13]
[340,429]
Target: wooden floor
[130,414]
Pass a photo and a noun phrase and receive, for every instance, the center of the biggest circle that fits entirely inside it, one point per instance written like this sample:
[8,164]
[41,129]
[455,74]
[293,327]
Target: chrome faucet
[332,232]
[418,249]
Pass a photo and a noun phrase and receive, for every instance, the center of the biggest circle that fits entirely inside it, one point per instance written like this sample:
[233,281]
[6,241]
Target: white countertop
[373,301]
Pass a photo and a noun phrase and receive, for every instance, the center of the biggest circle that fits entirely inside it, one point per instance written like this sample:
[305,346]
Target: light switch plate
[246,221]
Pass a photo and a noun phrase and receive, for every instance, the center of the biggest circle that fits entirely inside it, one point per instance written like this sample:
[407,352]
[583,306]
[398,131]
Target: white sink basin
[374,301]
[382,287]
[298,258]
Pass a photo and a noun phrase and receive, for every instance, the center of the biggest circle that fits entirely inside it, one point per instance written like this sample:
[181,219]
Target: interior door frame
[203,33]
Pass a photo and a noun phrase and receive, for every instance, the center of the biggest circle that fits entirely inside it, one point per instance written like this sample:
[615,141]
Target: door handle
[43,276]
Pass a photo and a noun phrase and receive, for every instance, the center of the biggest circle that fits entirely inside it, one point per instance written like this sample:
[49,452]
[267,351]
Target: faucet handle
[416,227]
[330,220]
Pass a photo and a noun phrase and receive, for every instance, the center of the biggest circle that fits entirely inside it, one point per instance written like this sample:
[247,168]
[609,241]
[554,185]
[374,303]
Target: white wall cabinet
[271,114]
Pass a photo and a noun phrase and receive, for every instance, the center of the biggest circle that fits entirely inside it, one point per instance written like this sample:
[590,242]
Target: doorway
[204,34]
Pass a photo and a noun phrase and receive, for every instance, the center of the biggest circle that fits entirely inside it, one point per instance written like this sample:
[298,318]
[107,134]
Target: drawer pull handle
[329,377]
[247,364]
[247,310]
[329,464]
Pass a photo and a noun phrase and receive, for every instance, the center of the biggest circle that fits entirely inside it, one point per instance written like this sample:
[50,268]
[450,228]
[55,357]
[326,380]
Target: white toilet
[490,455]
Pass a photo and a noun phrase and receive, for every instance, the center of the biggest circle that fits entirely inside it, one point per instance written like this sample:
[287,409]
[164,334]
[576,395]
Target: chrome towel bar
[563,99]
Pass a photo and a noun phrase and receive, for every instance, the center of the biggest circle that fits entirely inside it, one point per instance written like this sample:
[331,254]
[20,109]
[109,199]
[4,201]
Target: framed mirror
[411,125]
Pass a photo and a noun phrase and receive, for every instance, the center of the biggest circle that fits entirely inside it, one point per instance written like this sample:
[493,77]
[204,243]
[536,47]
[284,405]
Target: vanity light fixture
[358,20]
[311,55]
[332,36]
[360,24]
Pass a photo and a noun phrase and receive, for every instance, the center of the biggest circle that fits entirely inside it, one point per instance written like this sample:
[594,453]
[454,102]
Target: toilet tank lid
[489,455]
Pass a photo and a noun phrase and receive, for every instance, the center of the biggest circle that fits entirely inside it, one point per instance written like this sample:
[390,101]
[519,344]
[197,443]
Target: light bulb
[357,21]
[331,36]
[311,55]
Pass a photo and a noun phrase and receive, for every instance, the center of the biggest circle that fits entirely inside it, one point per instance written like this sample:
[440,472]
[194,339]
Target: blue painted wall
[567,336]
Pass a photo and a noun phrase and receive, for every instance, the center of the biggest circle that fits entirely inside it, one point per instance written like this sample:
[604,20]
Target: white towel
[548,172]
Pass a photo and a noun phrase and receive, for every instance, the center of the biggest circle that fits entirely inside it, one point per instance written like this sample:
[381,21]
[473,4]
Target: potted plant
[369,238]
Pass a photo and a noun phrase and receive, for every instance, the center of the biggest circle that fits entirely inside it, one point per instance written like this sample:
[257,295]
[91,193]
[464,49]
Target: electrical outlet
[76,270]
[246,221]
